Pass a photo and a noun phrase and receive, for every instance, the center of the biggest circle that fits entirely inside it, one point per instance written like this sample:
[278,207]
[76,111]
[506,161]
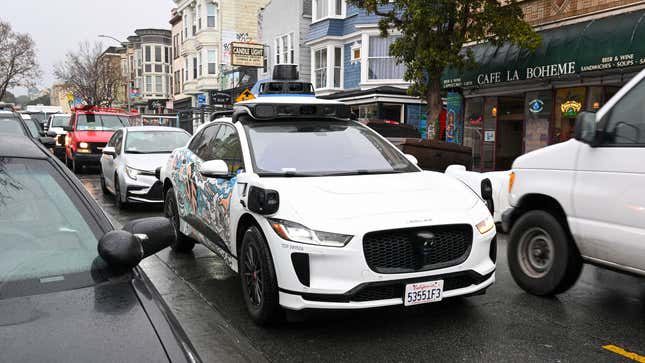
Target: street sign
[135,92]
[247,55]
[246,95]
[201,100]
[218,98]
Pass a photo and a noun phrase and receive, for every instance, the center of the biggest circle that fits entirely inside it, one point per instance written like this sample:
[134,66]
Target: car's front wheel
[104,188]
[542,257]
[184,244]
[258,278]
[120,204]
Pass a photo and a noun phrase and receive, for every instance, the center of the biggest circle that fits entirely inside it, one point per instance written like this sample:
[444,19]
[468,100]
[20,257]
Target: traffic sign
[201,100]
[246,95]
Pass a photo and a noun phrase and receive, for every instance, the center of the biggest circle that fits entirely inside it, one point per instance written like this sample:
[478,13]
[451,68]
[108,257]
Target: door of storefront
[510,131]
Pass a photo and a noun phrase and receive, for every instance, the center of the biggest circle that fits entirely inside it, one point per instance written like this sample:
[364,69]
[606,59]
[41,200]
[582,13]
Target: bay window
[381,65]
[212,61]
[158,84]
[320,68]
[328,67]
[328,8]
[211,18]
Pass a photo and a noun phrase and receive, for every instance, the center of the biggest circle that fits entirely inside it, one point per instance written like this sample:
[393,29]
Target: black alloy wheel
[183,244]
[258,279]
[120,204]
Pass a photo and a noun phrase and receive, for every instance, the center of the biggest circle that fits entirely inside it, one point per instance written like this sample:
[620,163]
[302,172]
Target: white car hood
[146,162]
[58,130]
[407,198]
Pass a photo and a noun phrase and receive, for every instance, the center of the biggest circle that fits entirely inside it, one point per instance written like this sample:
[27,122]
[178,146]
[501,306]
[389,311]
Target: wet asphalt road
[506,324]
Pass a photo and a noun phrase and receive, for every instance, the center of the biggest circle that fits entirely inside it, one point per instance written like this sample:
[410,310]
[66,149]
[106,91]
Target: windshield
[155,142]
[60,121]
[33,128]
[39,116]
[48,242]
[321,148]
[11,126]
[98,122]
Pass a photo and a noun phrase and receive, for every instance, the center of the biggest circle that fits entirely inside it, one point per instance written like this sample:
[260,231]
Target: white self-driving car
[316,211]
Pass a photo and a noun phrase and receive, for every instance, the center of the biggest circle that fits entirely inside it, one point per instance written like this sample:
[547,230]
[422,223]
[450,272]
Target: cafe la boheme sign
[484,79]
[247,55]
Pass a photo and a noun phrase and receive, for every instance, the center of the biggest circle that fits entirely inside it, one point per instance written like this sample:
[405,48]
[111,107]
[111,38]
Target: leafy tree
[434,32]
[94,76]
[18,66]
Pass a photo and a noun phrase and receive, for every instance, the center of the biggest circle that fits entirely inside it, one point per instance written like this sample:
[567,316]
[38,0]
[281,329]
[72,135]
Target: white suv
[582,200]
[317,211]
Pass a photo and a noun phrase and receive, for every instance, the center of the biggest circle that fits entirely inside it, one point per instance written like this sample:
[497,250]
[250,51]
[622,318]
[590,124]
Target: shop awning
[609,44]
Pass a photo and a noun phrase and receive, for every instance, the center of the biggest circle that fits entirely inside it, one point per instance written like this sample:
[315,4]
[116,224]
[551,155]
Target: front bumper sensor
[373,291]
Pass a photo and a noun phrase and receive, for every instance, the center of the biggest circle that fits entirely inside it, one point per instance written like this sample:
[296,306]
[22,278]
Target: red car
[89,130]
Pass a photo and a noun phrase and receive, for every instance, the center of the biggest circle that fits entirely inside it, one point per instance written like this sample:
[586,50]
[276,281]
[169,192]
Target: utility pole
[126,45]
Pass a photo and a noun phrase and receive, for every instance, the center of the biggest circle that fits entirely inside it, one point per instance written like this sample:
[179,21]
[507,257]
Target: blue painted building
[350,62]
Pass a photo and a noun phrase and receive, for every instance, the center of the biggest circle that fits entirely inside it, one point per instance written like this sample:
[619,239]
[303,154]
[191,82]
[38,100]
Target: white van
[582,200]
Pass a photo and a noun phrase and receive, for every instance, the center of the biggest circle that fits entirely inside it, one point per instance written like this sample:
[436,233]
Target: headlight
[132,173]
[83,145]
[486,225]
[295,232]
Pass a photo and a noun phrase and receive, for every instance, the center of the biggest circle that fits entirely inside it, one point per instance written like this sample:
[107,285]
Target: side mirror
[412,159]
[48,142]
[109,150]
[214,169]
[155,234]
[137,240]
[585,128]
[52,133]
[487,194]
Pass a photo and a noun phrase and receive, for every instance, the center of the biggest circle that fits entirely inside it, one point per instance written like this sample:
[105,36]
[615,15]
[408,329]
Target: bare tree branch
[92,75]
[18,66]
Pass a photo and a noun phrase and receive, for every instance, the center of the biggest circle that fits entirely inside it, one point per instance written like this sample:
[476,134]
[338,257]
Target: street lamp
[126,45]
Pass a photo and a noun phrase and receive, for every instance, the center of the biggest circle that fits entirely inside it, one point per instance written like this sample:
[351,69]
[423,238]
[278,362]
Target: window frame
[215,7]
[332,10]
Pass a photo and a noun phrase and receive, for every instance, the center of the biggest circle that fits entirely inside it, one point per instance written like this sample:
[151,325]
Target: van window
[626,123]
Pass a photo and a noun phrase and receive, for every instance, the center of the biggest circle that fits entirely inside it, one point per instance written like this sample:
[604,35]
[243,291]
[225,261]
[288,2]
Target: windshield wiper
[288,174]
[367,172]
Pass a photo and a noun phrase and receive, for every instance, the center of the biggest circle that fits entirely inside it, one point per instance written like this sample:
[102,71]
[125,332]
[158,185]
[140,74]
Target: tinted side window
[118,143]
[194,143]
[204,150]
[626,122]
[112,141]
[228,148]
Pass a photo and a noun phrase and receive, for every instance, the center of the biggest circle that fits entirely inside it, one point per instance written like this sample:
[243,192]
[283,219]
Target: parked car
[131,158]
[88,132]
[57,123]
[582,200]
[13,123]
[70,287]
[316,211]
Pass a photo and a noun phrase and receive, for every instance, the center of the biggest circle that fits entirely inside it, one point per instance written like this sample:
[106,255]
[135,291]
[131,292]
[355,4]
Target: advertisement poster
[454,118]
[537,134]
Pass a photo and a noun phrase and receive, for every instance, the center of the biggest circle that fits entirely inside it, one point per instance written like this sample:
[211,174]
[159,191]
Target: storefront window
[473,128]
[569,102]
[539,106]
[367,112]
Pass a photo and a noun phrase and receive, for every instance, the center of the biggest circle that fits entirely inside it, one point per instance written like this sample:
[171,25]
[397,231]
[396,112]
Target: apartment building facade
[208,27]
[283,28]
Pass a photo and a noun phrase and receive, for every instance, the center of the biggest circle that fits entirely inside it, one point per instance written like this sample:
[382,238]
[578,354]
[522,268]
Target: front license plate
[423,293]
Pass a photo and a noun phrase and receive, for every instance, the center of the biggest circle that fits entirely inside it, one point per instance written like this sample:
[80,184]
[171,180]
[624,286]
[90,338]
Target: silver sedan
[130,159]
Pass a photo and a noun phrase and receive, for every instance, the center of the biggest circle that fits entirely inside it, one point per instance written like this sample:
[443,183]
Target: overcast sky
[58,26]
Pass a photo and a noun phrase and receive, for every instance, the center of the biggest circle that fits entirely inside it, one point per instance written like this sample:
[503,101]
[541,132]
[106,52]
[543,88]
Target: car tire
[183,244]
[104,188]
[258,279]
[76,166]
[120,204]
[542,257]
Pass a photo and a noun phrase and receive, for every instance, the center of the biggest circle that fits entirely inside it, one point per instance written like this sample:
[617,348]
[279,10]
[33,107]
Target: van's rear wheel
[541,256]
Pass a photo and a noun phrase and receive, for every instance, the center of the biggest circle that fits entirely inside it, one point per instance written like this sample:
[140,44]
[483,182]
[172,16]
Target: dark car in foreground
[70,286]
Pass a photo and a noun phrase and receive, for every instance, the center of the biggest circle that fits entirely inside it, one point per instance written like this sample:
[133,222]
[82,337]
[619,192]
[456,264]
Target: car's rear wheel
[184,244]
[258,278]
[541,256]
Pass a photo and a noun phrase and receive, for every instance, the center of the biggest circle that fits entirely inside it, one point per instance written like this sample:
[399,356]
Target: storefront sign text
[247,55]
[551,70]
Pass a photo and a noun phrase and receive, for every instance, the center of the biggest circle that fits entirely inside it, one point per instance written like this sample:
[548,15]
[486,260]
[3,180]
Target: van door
[609,193]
